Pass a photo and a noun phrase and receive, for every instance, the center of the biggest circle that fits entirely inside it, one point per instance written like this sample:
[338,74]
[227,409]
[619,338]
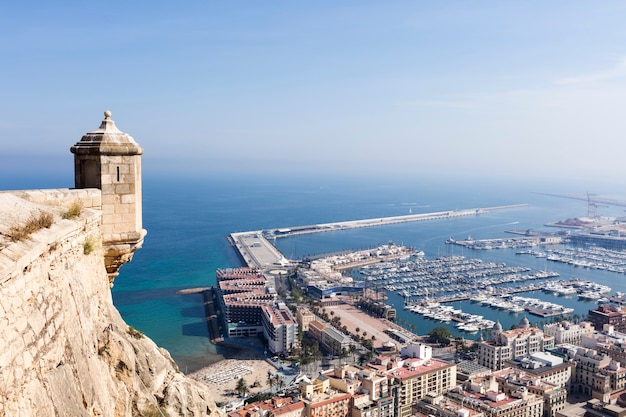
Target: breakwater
[383,221]
[256,250]
[211,315]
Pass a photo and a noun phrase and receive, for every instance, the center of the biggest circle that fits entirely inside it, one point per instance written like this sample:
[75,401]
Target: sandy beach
[222,376]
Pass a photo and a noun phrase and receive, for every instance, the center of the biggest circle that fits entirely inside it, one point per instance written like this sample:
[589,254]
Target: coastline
[222,376]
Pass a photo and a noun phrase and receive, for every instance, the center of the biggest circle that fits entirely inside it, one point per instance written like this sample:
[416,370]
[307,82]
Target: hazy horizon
[399,89]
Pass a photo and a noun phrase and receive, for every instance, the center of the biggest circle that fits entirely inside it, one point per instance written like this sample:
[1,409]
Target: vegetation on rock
[73,211]
[34,224]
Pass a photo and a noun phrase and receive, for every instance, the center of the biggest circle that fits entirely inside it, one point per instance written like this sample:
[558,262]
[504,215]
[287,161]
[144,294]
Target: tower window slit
[118,174]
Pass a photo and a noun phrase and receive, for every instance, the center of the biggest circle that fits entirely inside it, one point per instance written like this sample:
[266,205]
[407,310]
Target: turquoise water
[188,220]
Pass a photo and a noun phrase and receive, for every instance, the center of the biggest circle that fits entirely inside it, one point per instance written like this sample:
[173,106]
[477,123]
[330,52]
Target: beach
[222,376]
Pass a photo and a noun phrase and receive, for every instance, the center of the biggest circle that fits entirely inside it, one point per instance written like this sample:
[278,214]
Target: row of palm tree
[274,380]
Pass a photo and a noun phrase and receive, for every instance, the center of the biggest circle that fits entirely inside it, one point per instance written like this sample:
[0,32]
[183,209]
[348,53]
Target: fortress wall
[64,349]
[46,285]
[64,197]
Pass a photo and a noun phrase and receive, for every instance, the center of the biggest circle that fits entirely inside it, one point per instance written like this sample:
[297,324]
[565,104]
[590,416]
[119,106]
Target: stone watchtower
[110,160]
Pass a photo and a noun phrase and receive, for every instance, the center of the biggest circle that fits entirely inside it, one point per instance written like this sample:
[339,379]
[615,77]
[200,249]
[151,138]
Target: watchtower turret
[110,160]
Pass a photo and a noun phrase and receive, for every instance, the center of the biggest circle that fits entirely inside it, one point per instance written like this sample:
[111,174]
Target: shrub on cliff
[74,210]
[89,245]
[137,334]
[33,224]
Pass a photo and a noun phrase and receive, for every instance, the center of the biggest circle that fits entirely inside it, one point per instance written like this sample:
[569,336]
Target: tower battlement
[110,160]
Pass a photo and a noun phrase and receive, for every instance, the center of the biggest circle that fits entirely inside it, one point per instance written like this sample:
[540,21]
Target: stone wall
[62,197]
[64,349]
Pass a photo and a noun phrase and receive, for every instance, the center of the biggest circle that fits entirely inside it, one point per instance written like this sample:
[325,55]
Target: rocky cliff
[64,348]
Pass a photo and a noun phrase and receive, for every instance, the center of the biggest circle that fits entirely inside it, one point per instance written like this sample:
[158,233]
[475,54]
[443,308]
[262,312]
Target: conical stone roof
[107,140]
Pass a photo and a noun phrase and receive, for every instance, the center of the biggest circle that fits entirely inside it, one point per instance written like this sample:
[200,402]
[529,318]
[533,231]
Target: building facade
[242,293]
[279,327]
[611,315]
[566,332]
[411,379]
[511,344]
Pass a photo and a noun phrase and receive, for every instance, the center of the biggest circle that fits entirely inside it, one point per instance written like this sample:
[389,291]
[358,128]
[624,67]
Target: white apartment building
[279,328]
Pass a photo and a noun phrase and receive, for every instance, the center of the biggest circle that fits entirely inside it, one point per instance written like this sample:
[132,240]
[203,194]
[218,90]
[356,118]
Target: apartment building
[412,378]
[511,344]
[566,332]
[279,328]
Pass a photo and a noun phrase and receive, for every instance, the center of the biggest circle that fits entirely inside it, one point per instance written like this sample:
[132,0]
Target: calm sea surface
[188,221]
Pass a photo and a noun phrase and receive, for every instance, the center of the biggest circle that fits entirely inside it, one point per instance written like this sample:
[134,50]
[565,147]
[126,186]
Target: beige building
[566,332]
[549,368]
[554,396]
[330,338]
[304,317]
[274,407]
[321,401]
[345,379]
[588,364]
[371,395]
[330,406]
[444,406]
[484,394]
[411,379]
[364,407]
[608,342]
[598,375]
[511,344]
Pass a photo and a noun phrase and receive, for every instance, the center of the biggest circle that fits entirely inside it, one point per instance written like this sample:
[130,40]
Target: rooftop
[413,367]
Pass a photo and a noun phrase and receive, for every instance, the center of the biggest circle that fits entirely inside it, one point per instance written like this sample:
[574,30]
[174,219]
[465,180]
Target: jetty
[196,290]
[256,250]
[384,221]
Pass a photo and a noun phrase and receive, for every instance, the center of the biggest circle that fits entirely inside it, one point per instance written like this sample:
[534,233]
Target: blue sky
[412,88]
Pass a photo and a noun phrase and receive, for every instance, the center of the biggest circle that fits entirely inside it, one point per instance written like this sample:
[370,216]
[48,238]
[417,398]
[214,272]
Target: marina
[453,276]
[594,257]
[466,322]
[435,289]
[507,243]
[587,257]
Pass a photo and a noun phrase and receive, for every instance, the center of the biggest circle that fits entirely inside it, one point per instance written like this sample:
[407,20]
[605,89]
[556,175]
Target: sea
[188,218]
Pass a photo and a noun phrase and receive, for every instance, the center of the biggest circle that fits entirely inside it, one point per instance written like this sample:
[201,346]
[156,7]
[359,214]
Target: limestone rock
[64,348]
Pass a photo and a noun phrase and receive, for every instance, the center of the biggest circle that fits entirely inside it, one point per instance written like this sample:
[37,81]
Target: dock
[497,291]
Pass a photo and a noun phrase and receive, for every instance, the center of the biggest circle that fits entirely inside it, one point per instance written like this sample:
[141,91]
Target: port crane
[592,207]
[593,202]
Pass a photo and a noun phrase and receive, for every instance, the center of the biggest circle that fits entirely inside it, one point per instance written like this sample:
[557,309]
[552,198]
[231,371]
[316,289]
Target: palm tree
[278,380]
[269,378]
[242,387]
[344,352]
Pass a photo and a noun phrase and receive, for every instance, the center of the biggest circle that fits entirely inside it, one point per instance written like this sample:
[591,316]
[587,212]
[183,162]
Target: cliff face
[64,348]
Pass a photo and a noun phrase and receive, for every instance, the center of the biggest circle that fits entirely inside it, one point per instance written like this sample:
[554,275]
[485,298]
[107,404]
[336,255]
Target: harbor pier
[257,251]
